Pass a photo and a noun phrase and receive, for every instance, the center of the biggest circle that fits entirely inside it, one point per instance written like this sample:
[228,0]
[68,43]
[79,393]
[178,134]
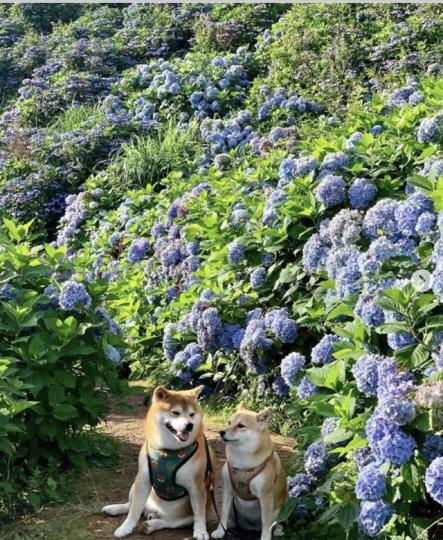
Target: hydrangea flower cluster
[137,250]
[434,480]
[373,516]
[74,296]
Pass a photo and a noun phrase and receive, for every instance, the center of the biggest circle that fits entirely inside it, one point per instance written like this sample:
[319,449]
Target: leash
[211,477]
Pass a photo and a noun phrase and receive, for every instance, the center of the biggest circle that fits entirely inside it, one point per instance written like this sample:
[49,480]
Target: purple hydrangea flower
[236,252]
[258,277]
[137,250]
[361,193]
[433,447]
[280,387]
[331,191]
[373,517]
[323,351]
[434,480]
[284,328]
[73,296]
[315,459]
[290,366]
[305,389]
[371,484]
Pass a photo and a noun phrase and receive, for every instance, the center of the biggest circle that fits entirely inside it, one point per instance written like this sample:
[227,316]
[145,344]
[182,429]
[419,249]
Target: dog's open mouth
[182,436]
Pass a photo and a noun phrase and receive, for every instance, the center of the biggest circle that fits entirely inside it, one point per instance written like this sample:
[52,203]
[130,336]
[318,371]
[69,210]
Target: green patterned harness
[163,468]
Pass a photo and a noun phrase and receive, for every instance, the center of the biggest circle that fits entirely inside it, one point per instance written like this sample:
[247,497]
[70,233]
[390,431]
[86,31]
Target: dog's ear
[264,416]
[160,394]
[241,406]
[196,392]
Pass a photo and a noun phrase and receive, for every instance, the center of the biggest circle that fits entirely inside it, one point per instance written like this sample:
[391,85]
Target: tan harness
[242,478]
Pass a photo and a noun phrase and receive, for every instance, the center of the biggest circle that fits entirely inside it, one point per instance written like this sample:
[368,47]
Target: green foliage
[54,376]
[148,160]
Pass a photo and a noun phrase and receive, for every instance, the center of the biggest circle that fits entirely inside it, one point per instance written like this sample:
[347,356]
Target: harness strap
[252,473]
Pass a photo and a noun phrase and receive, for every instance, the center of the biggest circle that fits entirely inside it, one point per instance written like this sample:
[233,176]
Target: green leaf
[20,406]
[286,510]
[347,515]
[64,411]
[65,378]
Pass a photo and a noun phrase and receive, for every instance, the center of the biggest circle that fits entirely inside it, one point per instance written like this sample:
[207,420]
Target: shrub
[55,378]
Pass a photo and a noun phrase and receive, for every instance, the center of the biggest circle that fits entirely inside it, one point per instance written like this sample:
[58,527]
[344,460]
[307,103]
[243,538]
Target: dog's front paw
[218,533]
[200,534]
[123,530]
[278,530]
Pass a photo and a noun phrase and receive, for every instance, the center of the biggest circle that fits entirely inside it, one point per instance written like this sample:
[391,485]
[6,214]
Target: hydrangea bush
[56,372]
[279,264]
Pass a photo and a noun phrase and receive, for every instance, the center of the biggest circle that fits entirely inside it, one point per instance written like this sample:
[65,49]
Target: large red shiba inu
[174,468]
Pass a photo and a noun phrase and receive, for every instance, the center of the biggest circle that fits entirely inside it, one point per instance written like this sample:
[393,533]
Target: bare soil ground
[81,519]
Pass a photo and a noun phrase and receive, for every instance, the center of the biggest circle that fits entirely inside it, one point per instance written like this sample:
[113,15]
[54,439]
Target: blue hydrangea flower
[315,459]
[361,193]
[112,354]
[299,484]
[137,250]
[322,353]
[400,340]
[290,366]
[258,277]
[371,484]
[376,130]
[381,219]
[363,457]
[388,442]
[315,253]
[331,191]
[425,223]
[74,296]
[433,447]
[429,130]
[284,328]
[365,372]
[373,517]
[305,389]
[434,480]
[236,252]
[334,162]
[329,426]
[169,346]
[399,411]
[287,169]
[437,283]
[369,312]
[254,343]
[280,387]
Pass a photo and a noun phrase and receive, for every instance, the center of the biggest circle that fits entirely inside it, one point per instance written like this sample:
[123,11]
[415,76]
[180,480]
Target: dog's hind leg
[153,525]
[118,509]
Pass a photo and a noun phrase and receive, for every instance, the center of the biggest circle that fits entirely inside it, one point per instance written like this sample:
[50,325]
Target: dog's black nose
[189,426]
[222,433]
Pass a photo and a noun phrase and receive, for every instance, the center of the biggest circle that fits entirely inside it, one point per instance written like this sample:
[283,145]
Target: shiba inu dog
[254,482]
[174,468]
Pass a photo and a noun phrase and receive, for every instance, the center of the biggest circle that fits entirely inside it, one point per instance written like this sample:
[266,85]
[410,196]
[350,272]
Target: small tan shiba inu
[174,468]
[254,482]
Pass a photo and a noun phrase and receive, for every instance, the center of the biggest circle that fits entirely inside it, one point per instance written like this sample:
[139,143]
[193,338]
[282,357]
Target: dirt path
[129,429]
[81,519]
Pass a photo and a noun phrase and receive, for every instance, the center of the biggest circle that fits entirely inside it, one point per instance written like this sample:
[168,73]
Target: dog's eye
[241,426]
[192,414]
[175,413]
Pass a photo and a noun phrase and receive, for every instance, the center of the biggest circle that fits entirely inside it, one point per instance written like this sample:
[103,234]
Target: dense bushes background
[249,192]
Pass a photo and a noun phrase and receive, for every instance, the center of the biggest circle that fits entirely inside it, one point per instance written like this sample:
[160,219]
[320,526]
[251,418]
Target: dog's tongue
[183,435]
